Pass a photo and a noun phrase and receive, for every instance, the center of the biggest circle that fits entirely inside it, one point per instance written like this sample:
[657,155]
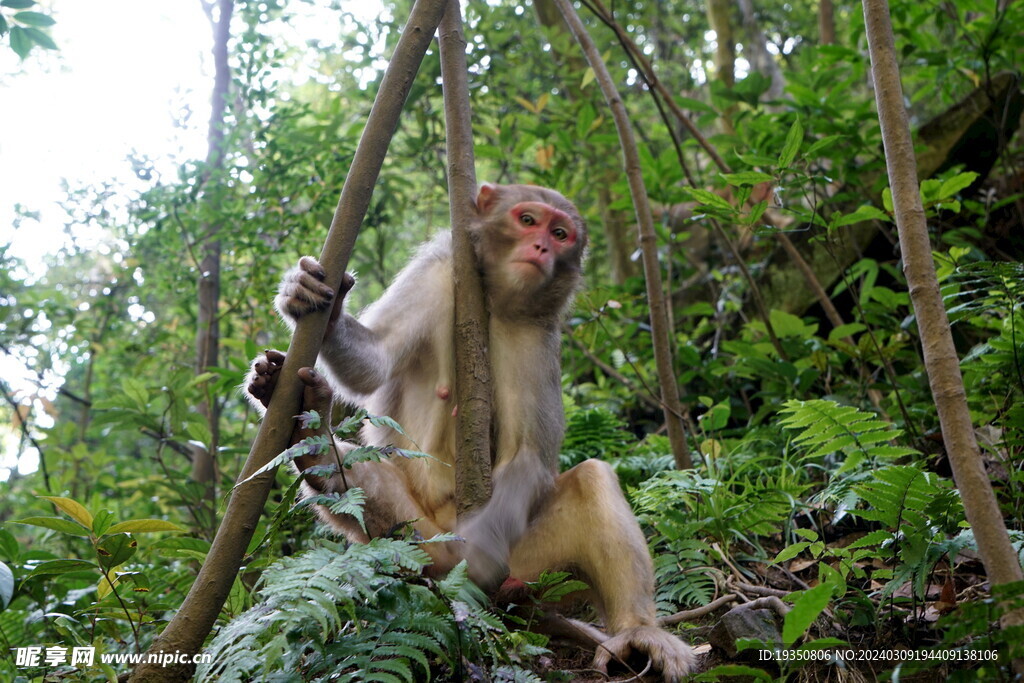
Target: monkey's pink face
[543,235]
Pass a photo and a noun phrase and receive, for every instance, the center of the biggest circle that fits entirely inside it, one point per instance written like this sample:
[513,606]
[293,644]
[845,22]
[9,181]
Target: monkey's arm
[394,331]
[520,486]
[362,354]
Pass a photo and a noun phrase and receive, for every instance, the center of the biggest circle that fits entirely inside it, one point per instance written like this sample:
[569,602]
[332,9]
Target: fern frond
[826,427]
[899,495]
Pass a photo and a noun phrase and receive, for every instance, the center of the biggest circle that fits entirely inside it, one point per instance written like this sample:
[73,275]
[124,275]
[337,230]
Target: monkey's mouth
[539,265]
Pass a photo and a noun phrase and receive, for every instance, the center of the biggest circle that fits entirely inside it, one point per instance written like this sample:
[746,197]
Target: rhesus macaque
[397,359]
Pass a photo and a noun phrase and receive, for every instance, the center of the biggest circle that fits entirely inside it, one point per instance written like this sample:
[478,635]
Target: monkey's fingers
[317,394]
[274,357]
[312,266]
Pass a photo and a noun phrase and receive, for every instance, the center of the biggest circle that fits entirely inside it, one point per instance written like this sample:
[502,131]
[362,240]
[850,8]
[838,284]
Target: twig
[697,612]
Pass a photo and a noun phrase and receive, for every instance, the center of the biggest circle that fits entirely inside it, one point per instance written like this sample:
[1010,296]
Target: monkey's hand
[303,291]
[667,653]
[262,377]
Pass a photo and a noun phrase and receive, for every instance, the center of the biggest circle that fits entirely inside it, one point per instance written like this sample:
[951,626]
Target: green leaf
[887,200]
[136,391]
[116,550]
[821,144]
[847,330]
[805,610]
[746,178]
[17,4]
[102,522]
[60,524]
[52,567]
[140,526]
[34,19]
[792,145]
[863,213]
[20,42]
[6,585]
[695,105]
[588,76]
[709,198]
[73,509]
[8,545]
[789,552]
[959,182]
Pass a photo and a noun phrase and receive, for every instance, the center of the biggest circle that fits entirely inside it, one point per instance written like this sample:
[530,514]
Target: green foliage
[361,613]
[828,428]
[23,27]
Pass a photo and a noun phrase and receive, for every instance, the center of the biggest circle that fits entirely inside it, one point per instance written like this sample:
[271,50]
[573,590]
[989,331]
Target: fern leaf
[825,427]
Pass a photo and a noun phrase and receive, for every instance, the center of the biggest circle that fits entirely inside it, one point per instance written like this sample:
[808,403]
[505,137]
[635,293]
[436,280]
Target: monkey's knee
[591,480]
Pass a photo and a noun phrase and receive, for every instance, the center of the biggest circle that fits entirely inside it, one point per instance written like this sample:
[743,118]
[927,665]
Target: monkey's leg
[389,498]
[588,526]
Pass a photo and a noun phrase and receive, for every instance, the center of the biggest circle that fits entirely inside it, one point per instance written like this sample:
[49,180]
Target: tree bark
[940,357]
[725,52]
[472,364]
[826,23]
[193,621]
[204,466]
[661,334]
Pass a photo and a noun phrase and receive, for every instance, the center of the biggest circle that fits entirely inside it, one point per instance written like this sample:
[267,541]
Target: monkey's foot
[667,653]
[263,373]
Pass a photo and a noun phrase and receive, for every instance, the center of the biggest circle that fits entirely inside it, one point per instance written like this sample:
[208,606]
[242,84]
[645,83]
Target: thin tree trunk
[940,357]
[725,52]
[472,364]
[198,613]
[204,467]
[661,335]
[826,23]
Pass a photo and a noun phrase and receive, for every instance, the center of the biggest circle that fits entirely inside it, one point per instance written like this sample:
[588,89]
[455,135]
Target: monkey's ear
[487,197]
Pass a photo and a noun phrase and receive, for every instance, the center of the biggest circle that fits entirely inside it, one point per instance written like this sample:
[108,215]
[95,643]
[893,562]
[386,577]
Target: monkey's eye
[528,219]
[560,234]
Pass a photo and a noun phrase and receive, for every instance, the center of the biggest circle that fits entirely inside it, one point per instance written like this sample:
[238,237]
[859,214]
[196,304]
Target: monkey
[397,359]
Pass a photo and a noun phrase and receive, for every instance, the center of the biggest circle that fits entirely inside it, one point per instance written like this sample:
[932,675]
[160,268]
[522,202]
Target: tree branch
[472,366]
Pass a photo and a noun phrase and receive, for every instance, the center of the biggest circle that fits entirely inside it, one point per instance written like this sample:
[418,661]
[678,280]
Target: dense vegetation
[821,475]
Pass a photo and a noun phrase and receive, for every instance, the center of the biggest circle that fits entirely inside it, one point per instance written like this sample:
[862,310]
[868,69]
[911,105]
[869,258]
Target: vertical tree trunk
[661,334]
[198,613]
[940,357]
[472,364]
[826,23]
[204,466]
[725,51]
